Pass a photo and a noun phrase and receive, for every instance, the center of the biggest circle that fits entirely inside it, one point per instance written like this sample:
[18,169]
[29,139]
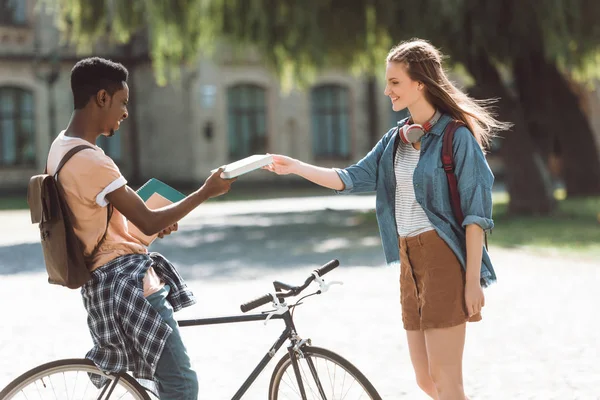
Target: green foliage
[298,37]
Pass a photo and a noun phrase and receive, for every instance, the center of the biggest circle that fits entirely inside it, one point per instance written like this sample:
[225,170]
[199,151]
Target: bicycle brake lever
[280,308]
[325,286]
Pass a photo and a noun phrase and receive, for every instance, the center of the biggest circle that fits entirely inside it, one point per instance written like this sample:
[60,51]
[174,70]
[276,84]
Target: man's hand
[168,230]
[215,186]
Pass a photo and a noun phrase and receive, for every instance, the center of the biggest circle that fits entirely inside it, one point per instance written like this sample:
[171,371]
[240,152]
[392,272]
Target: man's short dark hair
[93,74]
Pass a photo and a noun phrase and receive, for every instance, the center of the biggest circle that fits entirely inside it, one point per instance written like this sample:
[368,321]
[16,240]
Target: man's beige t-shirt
[87,178]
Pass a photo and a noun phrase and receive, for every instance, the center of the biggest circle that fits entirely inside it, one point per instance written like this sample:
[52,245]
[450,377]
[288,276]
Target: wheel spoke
[66,389]
[38,390]
[75,386]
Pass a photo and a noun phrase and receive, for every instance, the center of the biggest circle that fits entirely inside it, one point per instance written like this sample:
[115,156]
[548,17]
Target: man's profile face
[115,110]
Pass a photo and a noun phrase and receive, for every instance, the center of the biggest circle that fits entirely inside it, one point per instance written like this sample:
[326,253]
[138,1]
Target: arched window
[246,120]
[330,121]
[17,127]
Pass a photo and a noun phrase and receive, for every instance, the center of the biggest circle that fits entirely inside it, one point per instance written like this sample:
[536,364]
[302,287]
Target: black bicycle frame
[288,333]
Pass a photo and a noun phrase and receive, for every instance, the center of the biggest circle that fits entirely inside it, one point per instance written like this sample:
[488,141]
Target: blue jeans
[176,378]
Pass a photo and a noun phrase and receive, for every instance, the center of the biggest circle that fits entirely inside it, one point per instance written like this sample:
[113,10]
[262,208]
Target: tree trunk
[551,105]
[526,178]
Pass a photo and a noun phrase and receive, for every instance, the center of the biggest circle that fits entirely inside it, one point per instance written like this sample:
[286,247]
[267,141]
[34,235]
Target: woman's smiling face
[400,88]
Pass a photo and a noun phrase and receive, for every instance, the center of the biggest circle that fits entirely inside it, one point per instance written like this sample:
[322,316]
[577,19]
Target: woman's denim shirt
[375,173]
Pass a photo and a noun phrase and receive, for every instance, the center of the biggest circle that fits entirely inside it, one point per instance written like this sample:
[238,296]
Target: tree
[298,37]
[547,96]
[538,45]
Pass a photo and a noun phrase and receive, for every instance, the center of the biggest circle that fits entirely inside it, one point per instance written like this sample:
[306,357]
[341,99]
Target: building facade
[223,109]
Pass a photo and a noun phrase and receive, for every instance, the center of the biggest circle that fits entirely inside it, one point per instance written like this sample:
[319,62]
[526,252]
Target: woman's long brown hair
[424,64]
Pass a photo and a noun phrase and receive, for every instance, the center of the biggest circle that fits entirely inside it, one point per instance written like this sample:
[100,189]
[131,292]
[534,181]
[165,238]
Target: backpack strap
[109,212]
[448,164]
[67,157]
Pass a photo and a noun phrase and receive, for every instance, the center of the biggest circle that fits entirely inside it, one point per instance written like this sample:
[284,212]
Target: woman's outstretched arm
[326,177]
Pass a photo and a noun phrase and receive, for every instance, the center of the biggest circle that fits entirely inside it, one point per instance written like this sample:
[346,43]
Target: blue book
[161,188]
[156,194]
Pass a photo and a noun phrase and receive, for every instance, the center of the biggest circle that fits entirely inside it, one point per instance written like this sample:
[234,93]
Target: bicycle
[298,374]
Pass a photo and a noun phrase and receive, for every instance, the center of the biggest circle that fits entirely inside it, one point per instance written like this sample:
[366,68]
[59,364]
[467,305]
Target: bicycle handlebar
[294,291]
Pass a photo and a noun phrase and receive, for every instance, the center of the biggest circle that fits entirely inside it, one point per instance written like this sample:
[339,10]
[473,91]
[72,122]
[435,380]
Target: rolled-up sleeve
[362,176]
[478,208]
[475,180]
[346,179]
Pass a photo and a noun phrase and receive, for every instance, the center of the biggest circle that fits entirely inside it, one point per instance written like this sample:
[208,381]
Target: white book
[245,165]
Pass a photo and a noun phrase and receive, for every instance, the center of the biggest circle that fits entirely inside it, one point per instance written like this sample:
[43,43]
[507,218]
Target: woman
[444,264]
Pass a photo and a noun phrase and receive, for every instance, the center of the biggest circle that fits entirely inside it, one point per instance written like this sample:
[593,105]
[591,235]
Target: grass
[573,229]
[13,202]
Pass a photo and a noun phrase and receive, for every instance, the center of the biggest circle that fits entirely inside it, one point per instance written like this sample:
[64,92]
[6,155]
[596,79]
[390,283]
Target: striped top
[411,220]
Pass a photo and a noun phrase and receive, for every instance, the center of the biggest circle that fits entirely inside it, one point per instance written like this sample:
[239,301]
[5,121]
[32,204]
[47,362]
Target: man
[132,294]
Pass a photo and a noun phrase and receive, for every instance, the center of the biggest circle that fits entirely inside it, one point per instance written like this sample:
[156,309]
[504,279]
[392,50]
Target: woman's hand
[282,165]
[474,297]
[168,230]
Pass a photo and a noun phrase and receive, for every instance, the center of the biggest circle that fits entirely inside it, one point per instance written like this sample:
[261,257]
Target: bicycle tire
[314,354]
[16,389]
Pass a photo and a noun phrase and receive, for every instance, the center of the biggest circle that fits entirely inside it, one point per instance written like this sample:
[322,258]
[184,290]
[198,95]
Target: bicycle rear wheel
[69,379]
[325,375]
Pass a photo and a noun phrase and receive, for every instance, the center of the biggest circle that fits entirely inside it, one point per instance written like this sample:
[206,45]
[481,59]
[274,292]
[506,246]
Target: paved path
[539,338]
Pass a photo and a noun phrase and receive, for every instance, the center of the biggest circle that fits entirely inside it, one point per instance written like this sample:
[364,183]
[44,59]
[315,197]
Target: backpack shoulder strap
[448,164]
[109,208]
[67,157]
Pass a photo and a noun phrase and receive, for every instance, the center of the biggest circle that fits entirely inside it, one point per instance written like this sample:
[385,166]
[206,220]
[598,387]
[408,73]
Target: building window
[247,121]
[330,121]
[17,121]
[13,12]
[111,146]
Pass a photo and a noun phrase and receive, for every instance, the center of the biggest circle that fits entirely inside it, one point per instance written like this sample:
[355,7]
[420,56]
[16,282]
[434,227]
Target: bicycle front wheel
[324,374]
[69,379]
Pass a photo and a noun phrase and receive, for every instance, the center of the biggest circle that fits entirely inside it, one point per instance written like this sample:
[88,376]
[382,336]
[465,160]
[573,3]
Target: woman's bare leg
[445,352]
[418,357]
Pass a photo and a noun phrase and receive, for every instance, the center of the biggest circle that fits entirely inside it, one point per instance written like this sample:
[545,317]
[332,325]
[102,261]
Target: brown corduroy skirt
[432,284]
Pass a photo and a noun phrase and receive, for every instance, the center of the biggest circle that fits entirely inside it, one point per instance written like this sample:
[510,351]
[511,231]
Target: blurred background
[213,81]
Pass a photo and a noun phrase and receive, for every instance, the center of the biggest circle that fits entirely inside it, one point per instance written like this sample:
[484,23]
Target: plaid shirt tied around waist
[128,333]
